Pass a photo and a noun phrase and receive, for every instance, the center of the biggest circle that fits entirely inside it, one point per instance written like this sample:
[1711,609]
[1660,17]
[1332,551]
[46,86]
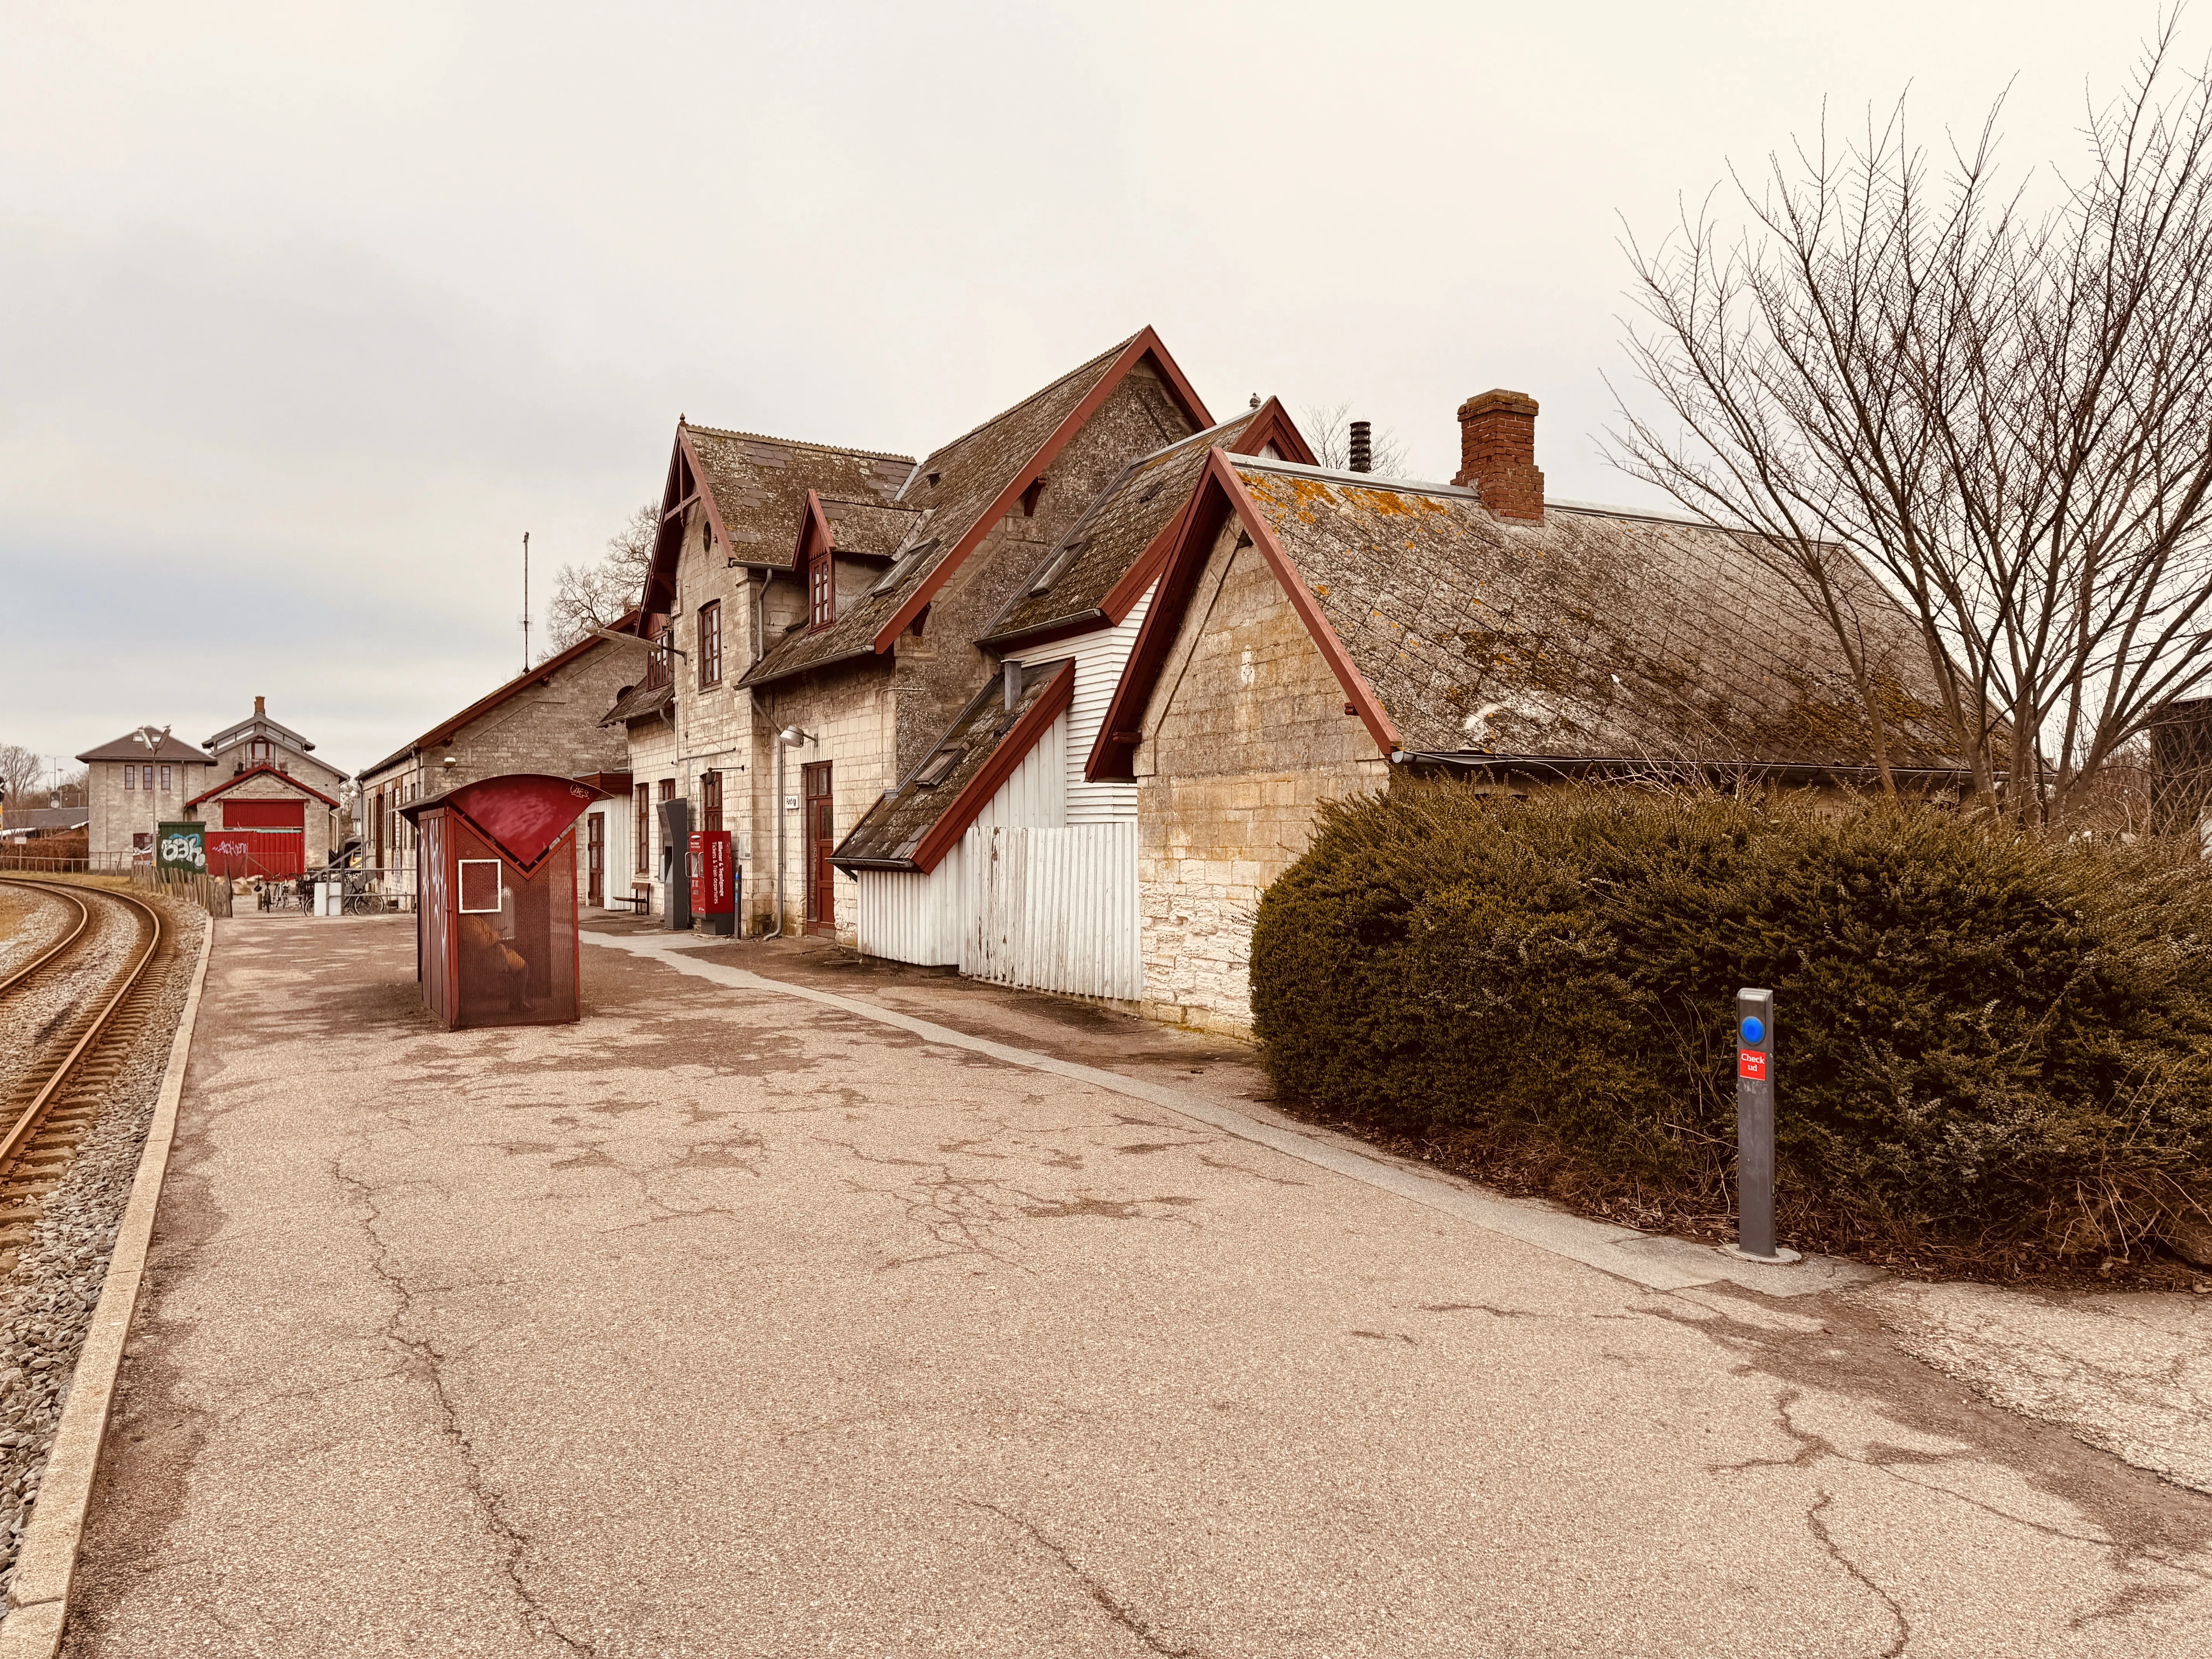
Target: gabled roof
[914,826]
[540,675]
[1591,635]
[966,487]
[1107,560]
[265,770]
[258,725]
[754,489]
[130,747]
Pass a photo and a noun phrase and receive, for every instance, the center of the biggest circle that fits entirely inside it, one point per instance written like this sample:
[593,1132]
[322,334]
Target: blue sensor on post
[1754,1030]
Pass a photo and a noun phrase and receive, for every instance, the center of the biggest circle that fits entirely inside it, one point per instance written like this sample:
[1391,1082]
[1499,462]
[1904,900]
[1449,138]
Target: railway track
[50,1106]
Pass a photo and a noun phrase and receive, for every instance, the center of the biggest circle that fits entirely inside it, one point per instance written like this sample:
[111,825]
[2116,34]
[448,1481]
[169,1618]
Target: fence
[1054,909]
[211,893]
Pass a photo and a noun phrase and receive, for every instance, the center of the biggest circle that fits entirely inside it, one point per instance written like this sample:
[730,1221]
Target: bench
[638,901]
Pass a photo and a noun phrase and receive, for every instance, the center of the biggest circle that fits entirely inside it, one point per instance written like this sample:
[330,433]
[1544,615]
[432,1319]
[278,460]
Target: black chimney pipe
[1362,446]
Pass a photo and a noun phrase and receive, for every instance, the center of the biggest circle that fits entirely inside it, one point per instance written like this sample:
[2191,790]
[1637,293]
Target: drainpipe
[790,738]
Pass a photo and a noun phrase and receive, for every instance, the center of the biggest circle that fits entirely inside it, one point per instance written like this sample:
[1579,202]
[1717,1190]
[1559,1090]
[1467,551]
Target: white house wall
[1099,658]
[909,916]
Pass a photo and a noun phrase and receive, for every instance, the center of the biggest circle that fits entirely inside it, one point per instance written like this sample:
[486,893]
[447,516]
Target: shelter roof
[1104,564]
[914,824]
[265,770]
[964,488]
[135,747]
[541,675]
[1589,635]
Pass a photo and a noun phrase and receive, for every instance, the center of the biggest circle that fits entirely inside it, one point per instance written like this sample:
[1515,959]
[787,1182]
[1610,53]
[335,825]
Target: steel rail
[84,921]
[27,1121]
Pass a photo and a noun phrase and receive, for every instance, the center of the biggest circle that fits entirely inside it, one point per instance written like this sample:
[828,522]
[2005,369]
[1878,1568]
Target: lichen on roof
[1589,635]
[1112,534]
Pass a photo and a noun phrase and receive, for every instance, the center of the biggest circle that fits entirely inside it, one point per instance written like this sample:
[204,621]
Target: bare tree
[585,597]
[2007,417]
[20,771]
[1329,430]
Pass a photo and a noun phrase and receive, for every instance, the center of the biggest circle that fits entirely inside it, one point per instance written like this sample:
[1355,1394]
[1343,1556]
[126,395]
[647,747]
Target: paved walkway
[732,1321]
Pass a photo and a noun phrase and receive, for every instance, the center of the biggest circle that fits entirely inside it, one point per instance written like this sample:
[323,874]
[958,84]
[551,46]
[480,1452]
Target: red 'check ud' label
[1750,1063]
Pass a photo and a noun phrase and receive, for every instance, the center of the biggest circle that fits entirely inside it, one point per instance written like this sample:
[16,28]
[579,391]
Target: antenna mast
[526,601]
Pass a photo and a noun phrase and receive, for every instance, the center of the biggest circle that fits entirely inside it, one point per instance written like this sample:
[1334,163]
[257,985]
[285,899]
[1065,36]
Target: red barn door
[259,838]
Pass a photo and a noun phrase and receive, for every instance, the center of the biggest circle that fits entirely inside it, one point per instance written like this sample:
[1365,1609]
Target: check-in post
[1754,1128]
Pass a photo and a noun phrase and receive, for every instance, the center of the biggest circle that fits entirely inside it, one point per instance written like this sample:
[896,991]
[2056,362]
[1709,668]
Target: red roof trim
[1146,344]
[232,782]
[1270,424]
[968,805]
[1220,494]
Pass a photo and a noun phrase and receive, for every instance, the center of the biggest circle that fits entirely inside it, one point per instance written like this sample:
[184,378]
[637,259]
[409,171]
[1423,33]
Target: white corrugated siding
[1054,909]
[1099,659]
[909,916]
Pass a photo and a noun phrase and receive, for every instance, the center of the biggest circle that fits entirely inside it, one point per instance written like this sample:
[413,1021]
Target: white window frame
[461,888]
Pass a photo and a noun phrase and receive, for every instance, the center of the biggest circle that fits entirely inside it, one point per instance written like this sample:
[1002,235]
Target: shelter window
[821,585]
[480,887]
[710,644]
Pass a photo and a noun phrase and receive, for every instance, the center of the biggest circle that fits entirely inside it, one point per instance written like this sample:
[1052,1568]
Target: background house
[266,822]
[133,783]
[257,740]
[546,721]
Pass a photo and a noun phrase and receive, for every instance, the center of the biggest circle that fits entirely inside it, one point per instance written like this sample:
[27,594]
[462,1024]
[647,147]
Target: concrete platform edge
[38,1598]
[1653,1261]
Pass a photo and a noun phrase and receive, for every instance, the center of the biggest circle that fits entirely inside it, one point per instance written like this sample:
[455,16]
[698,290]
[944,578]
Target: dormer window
[821,589]
[259,751]
[1029,497]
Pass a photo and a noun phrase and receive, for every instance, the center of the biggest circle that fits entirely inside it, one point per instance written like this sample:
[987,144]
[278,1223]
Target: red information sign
[712,889]
[1750,1063]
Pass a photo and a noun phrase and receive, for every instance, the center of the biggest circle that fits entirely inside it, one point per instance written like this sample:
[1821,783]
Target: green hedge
[1987,1042]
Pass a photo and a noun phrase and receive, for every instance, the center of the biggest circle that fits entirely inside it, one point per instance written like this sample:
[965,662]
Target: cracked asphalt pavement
[729,1323]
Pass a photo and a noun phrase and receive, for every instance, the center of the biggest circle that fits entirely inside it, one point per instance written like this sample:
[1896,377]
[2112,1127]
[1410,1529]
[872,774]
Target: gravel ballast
[46,1301]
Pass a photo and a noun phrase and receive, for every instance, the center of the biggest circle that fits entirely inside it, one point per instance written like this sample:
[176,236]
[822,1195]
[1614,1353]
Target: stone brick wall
[1246,737]
[114,815]
[849,710]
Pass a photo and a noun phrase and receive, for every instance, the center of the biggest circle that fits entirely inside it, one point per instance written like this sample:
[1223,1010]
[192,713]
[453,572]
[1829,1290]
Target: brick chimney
[260,707]
[1497,453]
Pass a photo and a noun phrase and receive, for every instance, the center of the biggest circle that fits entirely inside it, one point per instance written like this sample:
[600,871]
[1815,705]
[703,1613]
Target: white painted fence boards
[1054,909]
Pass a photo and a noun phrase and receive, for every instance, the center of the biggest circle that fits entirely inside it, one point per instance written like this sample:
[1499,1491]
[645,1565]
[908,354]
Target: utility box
[714,882]
[495,935]
[675,842]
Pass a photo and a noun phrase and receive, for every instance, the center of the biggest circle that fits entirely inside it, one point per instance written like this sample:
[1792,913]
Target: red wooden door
[821,836]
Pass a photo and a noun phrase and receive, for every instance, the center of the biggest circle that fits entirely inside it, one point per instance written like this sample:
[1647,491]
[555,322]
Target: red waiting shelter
[496,936]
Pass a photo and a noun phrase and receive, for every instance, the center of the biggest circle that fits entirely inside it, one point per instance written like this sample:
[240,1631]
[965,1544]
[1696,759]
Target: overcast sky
[309,312]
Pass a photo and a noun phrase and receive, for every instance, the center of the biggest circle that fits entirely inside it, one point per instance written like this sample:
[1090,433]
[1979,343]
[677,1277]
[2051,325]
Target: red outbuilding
[263,821]
[495,935]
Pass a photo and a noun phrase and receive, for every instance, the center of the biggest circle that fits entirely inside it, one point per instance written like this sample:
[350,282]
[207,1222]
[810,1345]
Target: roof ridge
[1057,381]
[797,443]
